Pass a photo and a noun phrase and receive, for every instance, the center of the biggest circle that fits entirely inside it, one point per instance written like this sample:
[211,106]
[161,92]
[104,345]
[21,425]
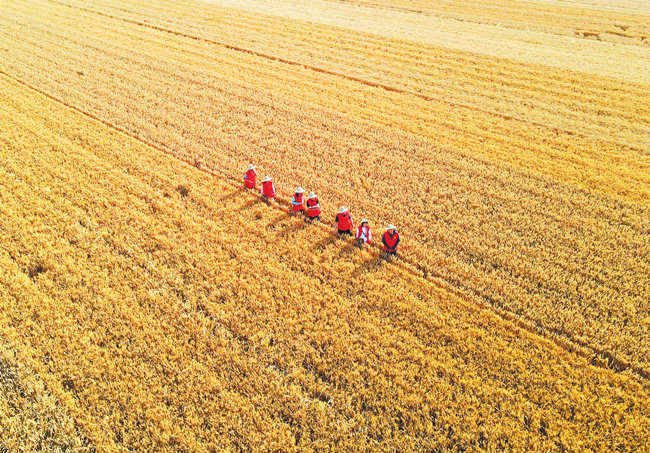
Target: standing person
[313,208]
[364,234]
[250,177]
[343,222]
[268,189]
[390,241]
[297,200]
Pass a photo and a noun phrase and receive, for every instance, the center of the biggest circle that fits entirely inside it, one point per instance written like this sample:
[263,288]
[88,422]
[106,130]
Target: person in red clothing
[297,200]
[364,234]
[390,241]
[250,177]
[343,222]
[313,208]
[268,189]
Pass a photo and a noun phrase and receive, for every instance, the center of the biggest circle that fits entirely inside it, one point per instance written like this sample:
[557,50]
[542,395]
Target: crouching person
[364,234]
[249,177]
[313,208]
[268,189]
[343,222]
[390,239]
[297,202]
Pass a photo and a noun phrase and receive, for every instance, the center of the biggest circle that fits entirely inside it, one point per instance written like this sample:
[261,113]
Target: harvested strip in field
[522,44]
[625,23]
[177,311]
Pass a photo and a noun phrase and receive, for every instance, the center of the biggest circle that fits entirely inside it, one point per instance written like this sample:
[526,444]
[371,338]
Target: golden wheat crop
[30,418]
[162,307]
[159,320]
[526,187]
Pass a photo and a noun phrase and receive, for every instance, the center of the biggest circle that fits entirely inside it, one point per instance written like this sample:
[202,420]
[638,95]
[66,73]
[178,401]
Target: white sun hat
[266,179]
[311,195]
[364,220]
[390,227]
[300,190]
[342,209]
[251,167]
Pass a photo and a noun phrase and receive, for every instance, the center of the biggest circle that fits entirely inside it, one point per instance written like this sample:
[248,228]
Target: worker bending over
[250,177]
[390,240]
[313,208]
[343,222]
[297,201]
[268,189]
[364,234]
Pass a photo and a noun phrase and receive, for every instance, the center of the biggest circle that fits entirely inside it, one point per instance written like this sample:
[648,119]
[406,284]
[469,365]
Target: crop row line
[558,146]
[320,70]
[411,50]
[573,162]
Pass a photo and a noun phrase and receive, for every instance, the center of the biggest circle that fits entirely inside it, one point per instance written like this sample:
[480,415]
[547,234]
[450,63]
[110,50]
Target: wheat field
[150,303]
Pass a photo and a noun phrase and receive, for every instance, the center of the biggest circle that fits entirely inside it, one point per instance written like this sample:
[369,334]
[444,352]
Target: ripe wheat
[163,321]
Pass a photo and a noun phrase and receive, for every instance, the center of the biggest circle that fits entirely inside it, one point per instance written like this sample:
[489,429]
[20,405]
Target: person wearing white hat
[250,177]
[313,208]
[343,222]
[364,234]
[390,239]
[268,189]
[297,201]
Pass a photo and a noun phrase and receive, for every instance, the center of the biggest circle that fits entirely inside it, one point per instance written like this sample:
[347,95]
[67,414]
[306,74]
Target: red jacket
[343,221]
[313,208]
[268,189]
[249,179]
[296,202]
[390,241]
[364,233]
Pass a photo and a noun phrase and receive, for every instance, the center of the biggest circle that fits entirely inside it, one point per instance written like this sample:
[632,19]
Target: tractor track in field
[341,75]
[559,337]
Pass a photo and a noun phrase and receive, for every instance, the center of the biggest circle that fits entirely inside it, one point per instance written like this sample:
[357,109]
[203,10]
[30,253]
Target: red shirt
[268,189]
[313,208]
[344,221]
[296,202]
[390,241]
[249,179]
